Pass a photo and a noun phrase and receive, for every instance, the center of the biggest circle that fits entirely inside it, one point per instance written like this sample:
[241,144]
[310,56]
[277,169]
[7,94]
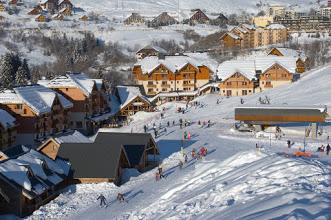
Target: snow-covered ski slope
[234,181]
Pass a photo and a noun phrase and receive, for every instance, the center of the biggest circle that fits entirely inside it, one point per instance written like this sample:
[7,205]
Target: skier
[160,172]
[185,135]
[188,136]
[155,133]
[328,149]
[120,197]
[145,128]
[168,123]
[157,176]
[103,200]
[180,164]
[185,158]
[193,154]
[199,122]
[173,123]
[288,143]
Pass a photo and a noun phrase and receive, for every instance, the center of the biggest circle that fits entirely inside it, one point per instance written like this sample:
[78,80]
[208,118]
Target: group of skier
[103,200]
[324,149]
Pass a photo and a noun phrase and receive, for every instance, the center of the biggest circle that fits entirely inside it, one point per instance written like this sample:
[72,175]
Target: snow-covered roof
[75,80]
[62,10]
[276,26]
[152,47]
[6,120]
[72,137]
[319,108]
[128,93]
[245,67]
[40,99]
[265,62]
[9,97]
[287,52]
[16,169]
[233,35]
[172,63]
[249,26]
[239,29]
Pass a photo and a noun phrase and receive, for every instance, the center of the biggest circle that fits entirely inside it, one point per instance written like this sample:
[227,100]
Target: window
[67,89]
[150,90]
[164,90]
[79,124]
[19,106]
[244,92]
[150,83]
[244,83]
[24,111]
[228,83]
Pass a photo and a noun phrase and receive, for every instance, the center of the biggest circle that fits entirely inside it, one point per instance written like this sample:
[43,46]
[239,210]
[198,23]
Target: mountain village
[231,123]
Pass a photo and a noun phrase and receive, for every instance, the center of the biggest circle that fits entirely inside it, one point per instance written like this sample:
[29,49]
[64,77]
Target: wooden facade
[66,12]
[301,63]
[41,18]
[162,79]
[199,17]
[134,19]
[36,11]
[237,85]
[269,115]
[275,76]
[84,18]
[136,105]
[2,7]
[7,136]
[247,36]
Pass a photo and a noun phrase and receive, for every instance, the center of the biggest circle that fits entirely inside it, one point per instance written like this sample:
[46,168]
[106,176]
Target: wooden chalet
[84,18]
[40,112]
[65,4]
[302,60]
[238,78]
[41,18]
[103,158]
[2,7]
[134,19]
[230,40]
[36,10]
[199,17]
[220,20]
[163,19]
[91,107]
[130,100]
[150,50]
[8,130]
[58,17]
[65,12]
[28,180]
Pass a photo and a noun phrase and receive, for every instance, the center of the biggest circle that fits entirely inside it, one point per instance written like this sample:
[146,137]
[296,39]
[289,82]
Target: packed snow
[234,181]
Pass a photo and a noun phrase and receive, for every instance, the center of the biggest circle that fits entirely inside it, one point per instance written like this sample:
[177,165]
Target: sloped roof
[39,98]
[128,93]
[72,137]
[265,62]
[276,26]
[74,80]
[245,67]
[153,47]
[287,52]
[6,120]
[16,170]
[172,63]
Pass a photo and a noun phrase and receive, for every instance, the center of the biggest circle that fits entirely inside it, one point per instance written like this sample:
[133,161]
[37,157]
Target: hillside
[234,181]
[150,7]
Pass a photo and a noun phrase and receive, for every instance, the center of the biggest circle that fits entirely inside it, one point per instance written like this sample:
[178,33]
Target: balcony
[165,85]
[188,85]
[151,86]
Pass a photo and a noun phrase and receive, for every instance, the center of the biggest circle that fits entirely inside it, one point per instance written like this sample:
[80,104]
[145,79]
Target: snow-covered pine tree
[21,78]
[26,69]
[7,72]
